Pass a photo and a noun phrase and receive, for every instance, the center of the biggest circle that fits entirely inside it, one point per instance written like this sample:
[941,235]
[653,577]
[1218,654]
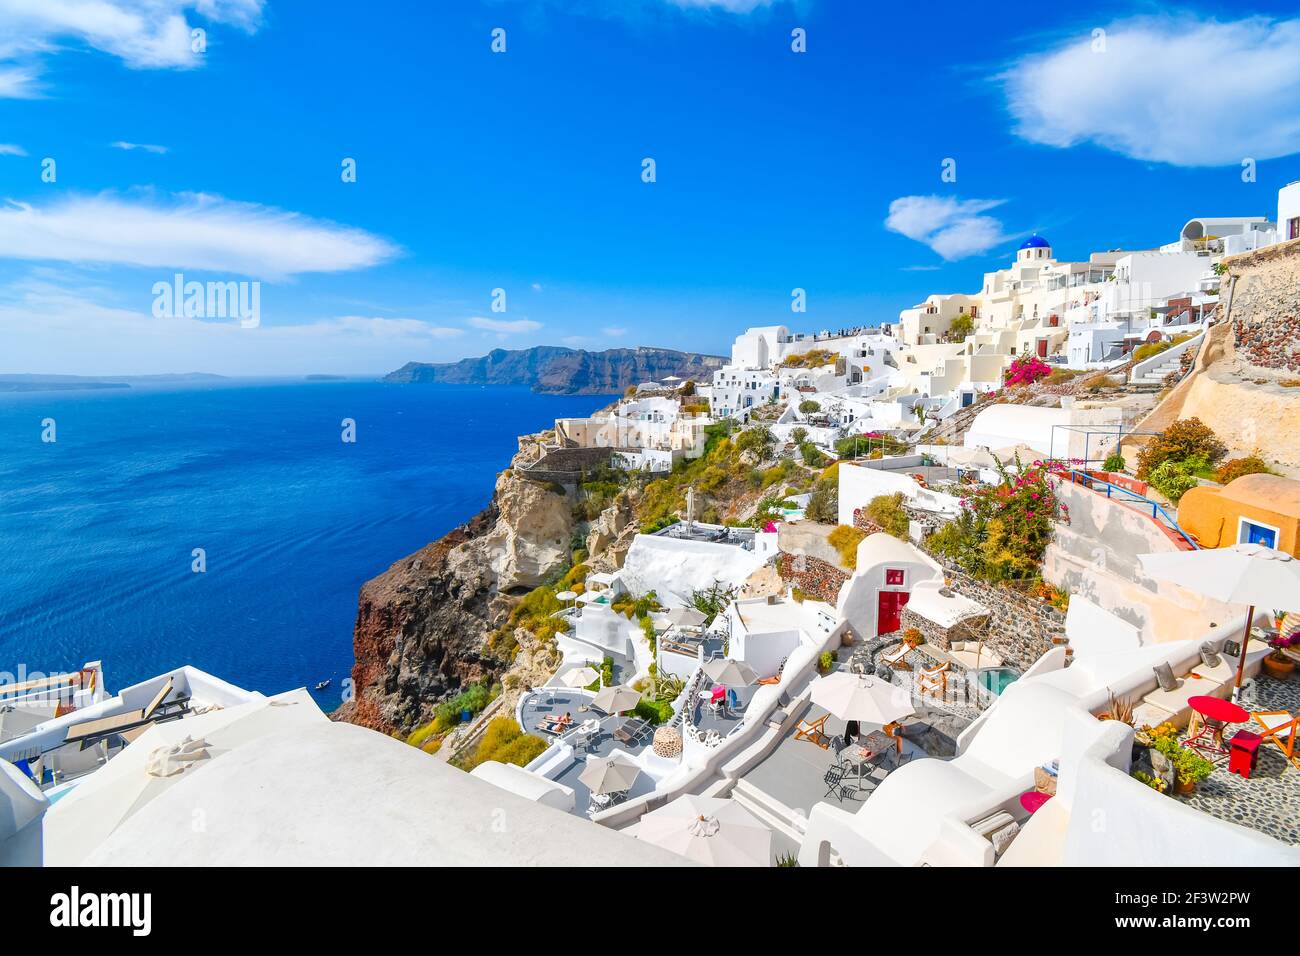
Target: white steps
[771,811]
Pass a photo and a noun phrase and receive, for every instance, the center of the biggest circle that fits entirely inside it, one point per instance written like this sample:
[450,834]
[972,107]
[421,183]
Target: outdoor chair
[897,658]
[1280,727]
[834,780]
[933,680]
[813,730]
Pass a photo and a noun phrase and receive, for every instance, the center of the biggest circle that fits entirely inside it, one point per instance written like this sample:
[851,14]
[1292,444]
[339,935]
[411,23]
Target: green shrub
[812,457]
[799,435]
[1173,479]
[504,741]
[1184,439]
[1114,462]
[887,511]
[809,407]
[655,711]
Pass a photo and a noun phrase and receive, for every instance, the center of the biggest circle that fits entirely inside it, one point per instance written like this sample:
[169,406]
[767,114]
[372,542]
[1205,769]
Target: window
[1293,228]
[893,577]
[1253,532]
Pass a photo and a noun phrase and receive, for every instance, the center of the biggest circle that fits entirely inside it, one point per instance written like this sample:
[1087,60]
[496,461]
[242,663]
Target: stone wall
[567,465]
[1265,307]
[969,629]
[813,576]
[1021,629]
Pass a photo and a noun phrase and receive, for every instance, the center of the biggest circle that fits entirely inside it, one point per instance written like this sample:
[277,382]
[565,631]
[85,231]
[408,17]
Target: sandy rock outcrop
[529,540]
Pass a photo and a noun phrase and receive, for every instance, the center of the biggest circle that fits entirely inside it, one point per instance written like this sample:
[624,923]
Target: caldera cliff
[422,625]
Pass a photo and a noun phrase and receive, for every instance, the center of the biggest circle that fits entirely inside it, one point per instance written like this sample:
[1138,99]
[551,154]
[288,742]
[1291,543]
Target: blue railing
[1157,510]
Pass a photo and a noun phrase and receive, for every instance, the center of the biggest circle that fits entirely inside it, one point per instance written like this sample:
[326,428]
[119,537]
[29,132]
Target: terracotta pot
[1278,670]
[1186,786]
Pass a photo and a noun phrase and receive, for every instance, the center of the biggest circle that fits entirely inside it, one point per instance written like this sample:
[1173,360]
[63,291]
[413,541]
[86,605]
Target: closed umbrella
[613,700]
[862,697]
[1249,574]
[708,830]
[726,671]
[579,677]
[614,774]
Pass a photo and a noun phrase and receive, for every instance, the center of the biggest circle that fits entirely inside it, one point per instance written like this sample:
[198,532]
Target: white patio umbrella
[613,774]
[613,700]
[1249,574]
[862,697]
[157,760]
[579,677]
[686,617]
[723,670]
[708,830]
[565,597]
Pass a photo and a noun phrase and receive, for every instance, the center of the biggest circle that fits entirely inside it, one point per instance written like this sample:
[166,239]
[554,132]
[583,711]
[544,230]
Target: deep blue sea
[97,529]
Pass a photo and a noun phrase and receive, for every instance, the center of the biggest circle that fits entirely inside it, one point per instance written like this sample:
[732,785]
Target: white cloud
[614,331]
[144,34]
[537,287]
[505,326]
[190,231]
[731,6]
[9,149]
[954,228]
[1172,89]
[147,147]
[57,325]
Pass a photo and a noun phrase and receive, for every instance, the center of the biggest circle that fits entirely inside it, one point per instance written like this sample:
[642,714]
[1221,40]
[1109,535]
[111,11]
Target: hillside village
[926,593]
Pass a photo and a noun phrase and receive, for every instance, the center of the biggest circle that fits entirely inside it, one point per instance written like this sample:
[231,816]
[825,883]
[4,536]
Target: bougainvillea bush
[1003,529]
[1027,371]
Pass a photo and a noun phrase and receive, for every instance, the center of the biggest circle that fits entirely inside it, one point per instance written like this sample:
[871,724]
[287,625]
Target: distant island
[67,383]
[563,371]
[322,377]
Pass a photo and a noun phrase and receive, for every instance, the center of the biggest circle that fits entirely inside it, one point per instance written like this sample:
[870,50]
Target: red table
[1033,799]
[1217,712]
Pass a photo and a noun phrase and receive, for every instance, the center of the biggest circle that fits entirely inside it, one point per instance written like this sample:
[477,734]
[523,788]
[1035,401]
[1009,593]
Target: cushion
[1165,677]
[957,646]
[1209,656]
[1001,838]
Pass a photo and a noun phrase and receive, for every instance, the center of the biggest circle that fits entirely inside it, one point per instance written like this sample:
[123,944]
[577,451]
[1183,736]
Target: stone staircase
[1156,376]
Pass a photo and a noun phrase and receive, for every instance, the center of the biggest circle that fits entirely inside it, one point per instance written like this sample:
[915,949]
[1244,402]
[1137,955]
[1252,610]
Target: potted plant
[913,637]
[1191,768]
[1277,664]
[825,662]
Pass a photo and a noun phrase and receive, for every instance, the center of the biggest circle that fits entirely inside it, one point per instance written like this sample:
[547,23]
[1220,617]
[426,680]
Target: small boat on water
[325,683]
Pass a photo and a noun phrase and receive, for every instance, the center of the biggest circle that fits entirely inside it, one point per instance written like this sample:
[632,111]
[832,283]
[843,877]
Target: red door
[889,615]
[1042,348]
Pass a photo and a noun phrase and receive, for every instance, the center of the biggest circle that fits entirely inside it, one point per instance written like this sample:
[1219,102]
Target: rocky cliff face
[422,625]
[563,371]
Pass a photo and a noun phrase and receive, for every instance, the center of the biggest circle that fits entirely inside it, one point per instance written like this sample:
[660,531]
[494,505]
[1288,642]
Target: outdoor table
[871,746]
[1032,800]
[1217,712]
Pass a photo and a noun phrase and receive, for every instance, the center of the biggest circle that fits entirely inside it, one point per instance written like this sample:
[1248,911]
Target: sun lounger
[631,730]
[91,732]
[814,730]
[897,658]
[1280,727]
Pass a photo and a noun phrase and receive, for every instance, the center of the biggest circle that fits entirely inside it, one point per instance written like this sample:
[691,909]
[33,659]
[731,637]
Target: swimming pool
[997,679]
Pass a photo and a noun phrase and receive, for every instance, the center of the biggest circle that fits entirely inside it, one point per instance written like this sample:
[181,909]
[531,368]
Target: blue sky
[523,170]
